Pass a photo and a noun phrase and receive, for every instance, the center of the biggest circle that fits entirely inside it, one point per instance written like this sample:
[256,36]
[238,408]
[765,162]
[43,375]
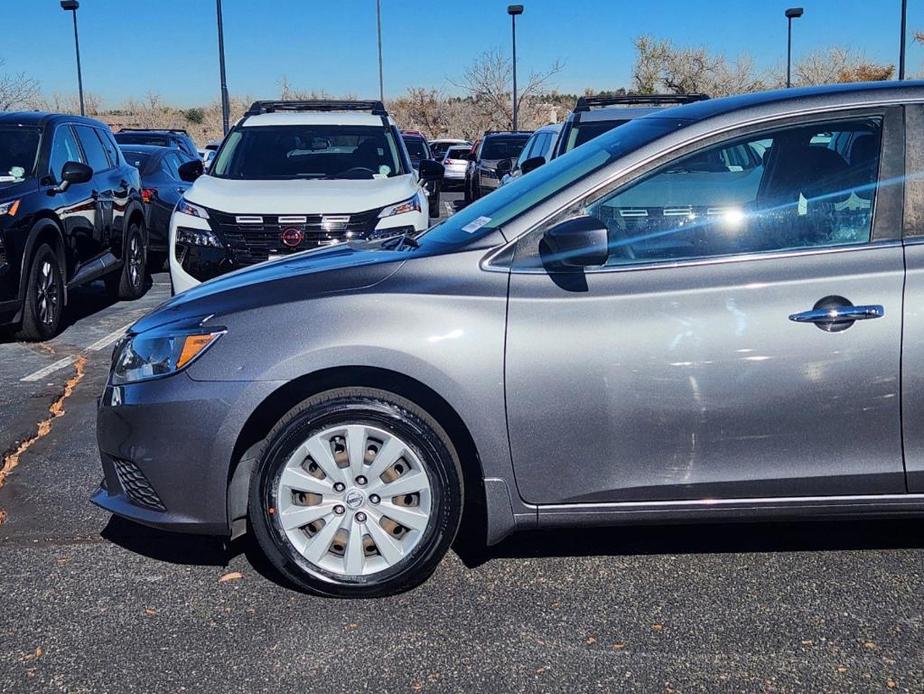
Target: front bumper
[166,449]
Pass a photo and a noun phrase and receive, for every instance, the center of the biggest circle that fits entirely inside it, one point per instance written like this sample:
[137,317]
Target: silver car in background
[714,312]
[454,163]
[538,151]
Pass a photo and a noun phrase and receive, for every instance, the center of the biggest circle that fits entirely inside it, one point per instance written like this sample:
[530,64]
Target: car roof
[550,128]
[508,133]
[312,118]
[146,149]
[43,118]
[796,100]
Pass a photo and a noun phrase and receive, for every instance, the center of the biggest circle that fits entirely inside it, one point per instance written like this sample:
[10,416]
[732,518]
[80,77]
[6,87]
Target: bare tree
[838,64]
[660,66]
[17,90]
[488,83]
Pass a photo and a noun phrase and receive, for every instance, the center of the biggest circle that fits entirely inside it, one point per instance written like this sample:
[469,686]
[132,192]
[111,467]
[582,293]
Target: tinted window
[308,151]
[727,199]
[64,149]
[109,145]
[92,148]
[143,139]
[416,148]
[171,165]
[503,147]
[457,152]
[585,132]
[137,159]
[18,151]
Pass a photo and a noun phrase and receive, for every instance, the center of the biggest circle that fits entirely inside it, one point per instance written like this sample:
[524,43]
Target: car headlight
[9,208]
[197,237]
[186,207]
[412,204]
[151,355]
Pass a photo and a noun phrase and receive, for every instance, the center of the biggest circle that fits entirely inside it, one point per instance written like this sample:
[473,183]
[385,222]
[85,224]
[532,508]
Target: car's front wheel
[44,301]
[357,493]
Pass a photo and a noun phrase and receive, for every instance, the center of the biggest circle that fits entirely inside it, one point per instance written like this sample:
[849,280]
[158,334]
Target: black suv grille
[136,485]
[253,241]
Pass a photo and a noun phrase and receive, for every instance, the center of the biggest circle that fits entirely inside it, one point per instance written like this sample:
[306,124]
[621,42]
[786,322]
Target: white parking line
[101,343]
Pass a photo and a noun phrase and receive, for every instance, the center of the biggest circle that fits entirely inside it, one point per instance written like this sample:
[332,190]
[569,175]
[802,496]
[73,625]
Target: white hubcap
[353,500]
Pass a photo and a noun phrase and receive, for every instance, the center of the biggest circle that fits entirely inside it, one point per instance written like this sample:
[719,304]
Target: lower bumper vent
[136,485]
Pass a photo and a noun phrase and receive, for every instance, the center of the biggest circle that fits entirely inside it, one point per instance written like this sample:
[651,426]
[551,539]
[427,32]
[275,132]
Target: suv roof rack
[155,130]
[508,132]
[377,108]
[585,103]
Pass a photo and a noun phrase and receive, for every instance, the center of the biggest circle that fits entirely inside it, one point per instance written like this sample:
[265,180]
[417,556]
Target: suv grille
[136,485]
[253,241]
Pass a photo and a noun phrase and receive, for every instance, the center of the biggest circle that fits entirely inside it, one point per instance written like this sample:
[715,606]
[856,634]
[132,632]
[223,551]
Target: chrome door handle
[839,314]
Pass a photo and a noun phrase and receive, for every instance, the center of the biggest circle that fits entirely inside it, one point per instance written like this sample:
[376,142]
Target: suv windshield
[18,151]
[503,147]
[504,204]
[278,152]
[144,139]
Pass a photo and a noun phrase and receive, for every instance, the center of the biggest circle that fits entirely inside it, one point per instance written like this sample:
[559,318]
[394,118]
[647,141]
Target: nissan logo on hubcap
[292,236]
[354,498]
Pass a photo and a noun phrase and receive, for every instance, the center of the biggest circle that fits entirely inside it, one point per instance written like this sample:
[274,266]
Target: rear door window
[92,148]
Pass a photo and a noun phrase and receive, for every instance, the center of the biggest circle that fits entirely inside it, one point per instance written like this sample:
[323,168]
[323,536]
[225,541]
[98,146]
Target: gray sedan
[709,313]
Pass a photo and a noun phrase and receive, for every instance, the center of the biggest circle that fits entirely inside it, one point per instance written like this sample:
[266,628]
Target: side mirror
[578,242]
[430,170]
[191,170]
[74,172]
[531,164]
[503,167]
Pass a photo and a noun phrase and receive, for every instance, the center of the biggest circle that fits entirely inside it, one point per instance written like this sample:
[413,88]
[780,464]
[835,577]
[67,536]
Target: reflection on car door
[75,206]
[688,367]
[102,186]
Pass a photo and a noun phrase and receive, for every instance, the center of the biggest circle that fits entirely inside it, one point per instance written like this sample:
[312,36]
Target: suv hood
[296,277]
[300,196]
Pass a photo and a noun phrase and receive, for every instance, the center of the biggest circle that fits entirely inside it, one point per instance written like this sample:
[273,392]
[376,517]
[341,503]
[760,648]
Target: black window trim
[886,227]
[84,151]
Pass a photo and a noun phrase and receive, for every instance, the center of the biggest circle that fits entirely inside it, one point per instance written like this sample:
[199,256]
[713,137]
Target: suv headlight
[186,207]
[151,355]
[412,204]
[197,237]
[9,208]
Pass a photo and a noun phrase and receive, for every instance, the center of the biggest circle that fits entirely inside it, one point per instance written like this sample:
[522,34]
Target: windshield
[18,152]
[585,132]
[503,147]
[136,159]
[280,152]
[416,148]
[497,209]
[143,139]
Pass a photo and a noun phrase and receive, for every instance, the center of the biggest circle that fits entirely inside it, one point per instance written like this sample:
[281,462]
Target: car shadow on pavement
[714,538]
[161,545]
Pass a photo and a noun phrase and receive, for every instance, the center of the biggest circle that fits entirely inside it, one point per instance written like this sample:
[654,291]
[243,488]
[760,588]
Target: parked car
[440,146]
[70,213]
[481,175]
[536,152]
[710,313]
[419,150]
[454,164]
[296,175]
[166,137]
[161,190]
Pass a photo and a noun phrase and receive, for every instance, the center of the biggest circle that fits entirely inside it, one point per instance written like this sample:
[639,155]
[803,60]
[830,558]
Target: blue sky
[130,47]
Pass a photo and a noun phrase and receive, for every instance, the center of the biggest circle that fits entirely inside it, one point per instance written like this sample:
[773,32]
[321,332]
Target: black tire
[395,415]
[467,192]
[434,204]
[44,302]
[129,283]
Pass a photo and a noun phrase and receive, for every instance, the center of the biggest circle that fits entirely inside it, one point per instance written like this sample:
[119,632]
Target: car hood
[300,196]
[317,272]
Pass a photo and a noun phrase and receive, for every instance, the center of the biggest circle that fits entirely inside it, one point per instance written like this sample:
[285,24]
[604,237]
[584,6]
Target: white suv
[292,176]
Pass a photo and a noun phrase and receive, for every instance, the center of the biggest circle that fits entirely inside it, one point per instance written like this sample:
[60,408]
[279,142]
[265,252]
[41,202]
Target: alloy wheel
[135,261]
[353,500]
[47,295]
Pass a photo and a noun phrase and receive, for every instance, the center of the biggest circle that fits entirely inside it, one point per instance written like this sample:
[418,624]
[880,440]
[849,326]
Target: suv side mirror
[191,170]
[578,242]
[503,167]
[430,170]
[73,172]
[531,164]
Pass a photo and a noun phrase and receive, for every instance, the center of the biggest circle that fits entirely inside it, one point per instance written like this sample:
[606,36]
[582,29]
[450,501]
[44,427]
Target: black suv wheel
[44,301]
[129,283]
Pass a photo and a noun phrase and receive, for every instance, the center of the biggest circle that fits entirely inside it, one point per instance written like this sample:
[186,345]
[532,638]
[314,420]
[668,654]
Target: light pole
[513,11]
[791,14]
[72,5]
[901,50]
[225,106]
[378,20]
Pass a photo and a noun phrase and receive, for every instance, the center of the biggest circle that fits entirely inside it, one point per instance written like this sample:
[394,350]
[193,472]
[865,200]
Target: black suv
[70,213]
[481,176]
[418,150]
[166,137]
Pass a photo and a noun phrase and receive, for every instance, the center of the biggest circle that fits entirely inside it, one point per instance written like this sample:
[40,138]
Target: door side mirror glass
[578,242]
[531,164]
[74,172]
[430,170]
[503,167]
[191,170]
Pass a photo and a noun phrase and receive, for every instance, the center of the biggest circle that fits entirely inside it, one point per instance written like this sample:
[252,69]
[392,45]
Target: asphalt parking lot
[91,603]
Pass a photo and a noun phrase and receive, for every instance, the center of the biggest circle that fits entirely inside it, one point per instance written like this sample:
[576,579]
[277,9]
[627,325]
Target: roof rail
[377,108]
[155,130]
[508,132]
[585,103]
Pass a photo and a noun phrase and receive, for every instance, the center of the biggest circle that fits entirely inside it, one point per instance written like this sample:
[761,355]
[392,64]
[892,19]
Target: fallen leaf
[841,668]
[150,611]
[618,646]
[231,576]
[869,644]
[891,684]
[39,652]
[807,642]
[657,627]
[590,639]
[352,626]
